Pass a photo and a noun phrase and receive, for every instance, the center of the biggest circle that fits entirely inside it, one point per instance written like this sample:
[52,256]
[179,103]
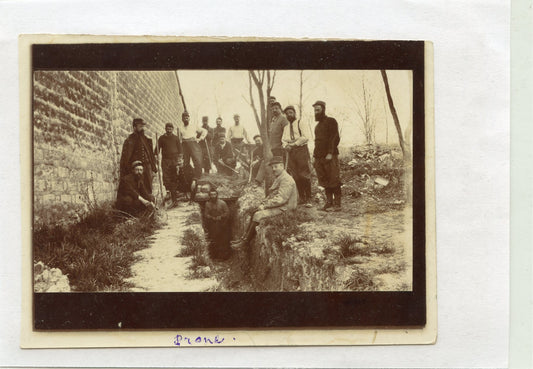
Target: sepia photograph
[259,180]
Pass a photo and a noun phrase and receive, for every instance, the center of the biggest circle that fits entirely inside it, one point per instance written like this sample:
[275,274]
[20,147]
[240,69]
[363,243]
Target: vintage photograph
[222,180]
[247,178]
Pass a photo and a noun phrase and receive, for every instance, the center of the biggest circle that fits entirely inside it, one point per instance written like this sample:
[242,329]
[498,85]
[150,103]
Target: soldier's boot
[337,202]
[174,199]
[329,199]
[306,184]
[250,233]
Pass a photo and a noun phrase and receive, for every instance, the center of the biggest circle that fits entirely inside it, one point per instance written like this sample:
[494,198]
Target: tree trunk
[394,115]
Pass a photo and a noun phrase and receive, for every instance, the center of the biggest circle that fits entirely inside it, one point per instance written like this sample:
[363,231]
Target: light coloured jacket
[282,194]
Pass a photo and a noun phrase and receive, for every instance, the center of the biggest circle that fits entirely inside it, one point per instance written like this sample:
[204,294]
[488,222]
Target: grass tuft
[95,253]
[195,246]
[360,281]
[280,228]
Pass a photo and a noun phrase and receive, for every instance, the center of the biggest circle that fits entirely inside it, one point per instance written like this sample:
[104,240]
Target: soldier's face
[236,119]
[290,114]
[138,171]
[319,112]
[139,127]
[213,195]
[219,122]
[277,168]
[204,121]
[185,119]
[169,130]
[222,141]
[276,110]
[258,141]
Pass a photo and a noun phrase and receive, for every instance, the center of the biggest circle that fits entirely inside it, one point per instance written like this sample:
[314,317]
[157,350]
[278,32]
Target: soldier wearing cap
[207,145]
[224,157]
[294,140]
[326,155]
[132,195]
[237,134]
[277,125]
[169,145]
[282,197]
[191,135]
[138,147]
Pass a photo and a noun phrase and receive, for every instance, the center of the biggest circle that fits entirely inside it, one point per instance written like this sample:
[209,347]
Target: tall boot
[337,201]
[246,238]
[329,199]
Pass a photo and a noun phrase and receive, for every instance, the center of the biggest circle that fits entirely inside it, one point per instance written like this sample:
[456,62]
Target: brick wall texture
[80,121]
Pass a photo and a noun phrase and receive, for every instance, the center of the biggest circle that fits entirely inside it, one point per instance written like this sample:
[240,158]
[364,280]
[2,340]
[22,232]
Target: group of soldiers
[194,149]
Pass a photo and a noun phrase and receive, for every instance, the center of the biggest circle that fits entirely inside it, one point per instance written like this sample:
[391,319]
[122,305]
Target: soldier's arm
[202,132]
[333,139]
[303,139]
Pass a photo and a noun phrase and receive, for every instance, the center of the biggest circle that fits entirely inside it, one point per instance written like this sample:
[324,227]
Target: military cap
[257,136]
[276,160]
[185,113]
[236,115]
[205,117]
[290,107]
[169,125]
[136,163]
[138,121]
[321,103]
[275,103]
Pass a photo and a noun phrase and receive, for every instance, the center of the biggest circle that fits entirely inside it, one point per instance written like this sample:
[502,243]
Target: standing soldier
[207,145]
[138,147]
[237,134]
[191,148]
[172,158]
[218,131]
[277,125]
[294,141]
[326,155]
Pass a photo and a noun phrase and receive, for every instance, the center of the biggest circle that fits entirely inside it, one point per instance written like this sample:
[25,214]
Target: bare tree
[394,115]
[364,108]
[262,82]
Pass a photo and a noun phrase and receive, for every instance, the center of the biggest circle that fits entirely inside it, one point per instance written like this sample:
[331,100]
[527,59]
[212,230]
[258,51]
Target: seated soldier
[132,196]
[223,157]
[282,196]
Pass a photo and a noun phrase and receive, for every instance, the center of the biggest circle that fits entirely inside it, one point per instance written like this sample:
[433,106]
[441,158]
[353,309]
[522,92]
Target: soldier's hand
[329,157]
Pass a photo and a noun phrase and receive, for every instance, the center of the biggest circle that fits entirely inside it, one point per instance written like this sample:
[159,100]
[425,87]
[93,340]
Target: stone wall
[80,121]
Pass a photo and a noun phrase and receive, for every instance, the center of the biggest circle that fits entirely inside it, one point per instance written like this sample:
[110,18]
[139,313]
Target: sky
[224,93]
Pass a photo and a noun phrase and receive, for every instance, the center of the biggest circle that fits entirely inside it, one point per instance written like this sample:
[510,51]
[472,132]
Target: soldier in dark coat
[138,147]
[216,213]
[224,158]
[172,158]
[326,155]
[207,145]
[132,196]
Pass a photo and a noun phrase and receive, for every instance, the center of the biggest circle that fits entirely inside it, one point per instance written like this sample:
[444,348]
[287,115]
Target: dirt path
[159,270]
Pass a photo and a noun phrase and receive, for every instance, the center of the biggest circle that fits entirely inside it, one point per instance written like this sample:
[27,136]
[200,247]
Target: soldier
[138,147]
[216,213]
[224,158]
[191,148]
[218,131]
[172,158]
[326,155]
[282,196]
[277,125]
[206,145]
[295,137]
[237,134]
[132,196]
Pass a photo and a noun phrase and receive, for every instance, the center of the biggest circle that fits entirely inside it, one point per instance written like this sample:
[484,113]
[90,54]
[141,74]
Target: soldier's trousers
[192,150]
[328,172]
[170,173]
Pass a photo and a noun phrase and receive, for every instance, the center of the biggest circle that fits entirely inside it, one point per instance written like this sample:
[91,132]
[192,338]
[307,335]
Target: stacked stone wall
[80,121]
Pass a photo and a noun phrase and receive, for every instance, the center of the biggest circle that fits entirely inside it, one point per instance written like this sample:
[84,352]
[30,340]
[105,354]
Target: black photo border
[208,310]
